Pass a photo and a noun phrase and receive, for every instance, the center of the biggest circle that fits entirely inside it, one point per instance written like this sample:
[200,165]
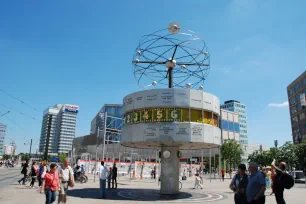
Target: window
[299,107]
[297,87]
[196,116]
[231,126]
[302,116]
[297,98]
[304,81]
[292,100]
[236,127]
[291,91]
[224,125]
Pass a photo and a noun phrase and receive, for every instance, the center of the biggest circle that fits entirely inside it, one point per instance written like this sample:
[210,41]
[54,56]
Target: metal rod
[104,135]
[210,165]
[170,77]
[30,149]
[220,163]
[95,166]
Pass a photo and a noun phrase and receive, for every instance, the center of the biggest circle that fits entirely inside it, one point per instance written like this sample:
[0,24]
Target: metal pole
[210,165]
[96,159]
[214,164]
[202,163]
[220,163]
[30,149]
[104,135]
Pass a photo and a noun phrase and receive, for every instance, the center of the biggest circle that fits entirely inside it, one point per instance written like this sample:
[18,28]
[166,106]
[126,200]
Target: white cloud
[279,105]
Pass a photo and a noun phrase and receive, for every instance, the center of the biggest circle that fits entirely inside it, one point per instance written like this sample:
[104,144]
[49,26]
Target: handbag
[70,181]
[47,189]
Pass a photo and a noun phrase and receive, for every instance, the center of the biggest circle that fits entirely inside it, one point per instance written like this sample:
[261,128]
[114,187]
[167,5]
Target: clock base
[170,169]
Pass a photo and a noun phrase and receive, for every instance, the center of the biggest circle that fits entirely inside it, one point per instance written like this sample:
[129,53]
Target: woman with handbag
[50,184]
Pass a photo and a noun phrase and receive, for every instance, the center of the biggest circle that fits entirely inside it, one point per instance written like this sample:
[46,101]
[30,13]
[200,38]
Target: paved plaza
[133,191]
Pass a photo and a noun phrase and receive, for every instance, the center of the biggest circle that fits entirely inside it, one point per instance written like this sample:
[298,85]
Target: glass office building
[60,121]
[113,124]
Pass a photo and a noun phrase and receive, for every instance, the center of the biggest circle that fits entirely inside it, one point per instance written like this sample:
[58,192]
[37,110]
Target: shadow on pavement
[128,194]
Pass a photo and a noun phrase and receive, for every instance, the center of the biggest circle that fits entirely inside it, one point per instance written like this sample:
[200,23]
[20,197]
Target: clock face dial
[166,154]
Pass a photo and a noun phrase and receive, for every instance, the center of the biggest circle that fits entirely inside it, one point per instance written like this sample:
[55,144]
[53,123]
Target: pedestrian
[268,178]
[103,175]
[109,177]
[281,182]
[33,173]
[42,169]
[223,174]
[197,181]
[24,171]
[114,176]
[255,191]
[273,176]
[239,185]
[66,180]
[50,184]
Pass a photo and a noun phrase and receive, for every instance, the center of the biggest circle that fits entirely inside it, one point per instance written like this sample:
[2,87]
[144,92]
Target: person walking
[66,179]
[114,175]
[223,174]
[50,184]
[255,191]
[24,171]
[42,170]
[197,181]
[278,186]
[103,175]
[109,177]
[239,185]
[33,174]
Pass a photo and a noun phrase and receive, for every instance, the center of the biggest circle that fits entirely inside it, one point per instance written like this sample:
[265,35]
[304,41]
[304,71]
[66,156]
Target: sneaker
[19,182]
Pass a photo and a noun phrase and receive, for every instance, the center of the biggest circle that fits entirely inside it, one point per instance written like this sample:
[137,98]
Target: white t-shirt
[103,172]
[65,172]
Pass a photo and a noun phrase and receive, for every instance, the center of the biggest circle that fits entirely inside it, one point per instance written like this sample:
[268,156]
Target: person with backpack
[239,184]
[282,180]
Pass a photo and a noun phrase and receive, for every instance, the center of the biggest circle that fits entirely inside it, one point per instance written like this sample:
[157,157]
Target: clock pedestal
[170,171]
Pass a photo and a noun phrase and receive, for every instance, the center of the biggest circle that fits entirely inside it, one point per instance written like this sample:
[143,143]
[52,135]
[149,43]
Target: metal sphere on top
[172,58]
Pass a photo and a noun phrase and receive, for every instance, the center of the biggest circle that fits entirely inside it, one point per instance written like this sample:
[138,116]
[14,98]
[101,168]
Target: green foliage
[231,152]
[292,154]
[62,157]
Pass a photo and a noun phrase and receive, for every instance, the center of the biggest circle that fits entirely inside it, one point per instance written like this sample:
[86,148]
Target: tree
[231,152]
[62,157]
[300,152]
[288,154]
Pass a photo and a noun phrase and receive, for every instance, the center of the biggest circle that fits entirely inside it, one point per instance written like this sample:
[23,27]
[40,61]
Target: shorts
[64,188]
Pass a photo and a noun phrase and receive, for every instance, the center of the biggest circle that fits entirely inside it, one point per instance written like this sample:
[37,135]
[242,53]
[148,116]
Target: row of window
[296,98]
[296,108]
[242,116]
[244,131]
[230,126]
[242,121]
[243,126]
[2,131]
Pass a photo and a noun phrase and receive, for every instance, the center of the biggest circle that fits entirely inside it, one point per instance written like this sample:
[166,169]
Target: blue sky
[80,52]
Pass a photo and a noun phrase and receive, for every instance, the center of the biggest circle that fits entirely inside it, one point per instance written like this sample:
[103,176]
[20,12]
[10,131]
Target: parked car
[298,176]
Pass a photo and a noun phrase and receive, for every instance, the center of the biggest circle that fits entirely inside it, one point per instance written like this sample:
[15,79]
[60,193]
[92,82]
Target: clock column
[170,170]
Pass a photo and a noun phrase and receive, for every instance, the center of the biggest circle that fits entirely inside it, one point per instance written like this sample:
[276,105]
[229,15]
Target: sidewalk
[141,190]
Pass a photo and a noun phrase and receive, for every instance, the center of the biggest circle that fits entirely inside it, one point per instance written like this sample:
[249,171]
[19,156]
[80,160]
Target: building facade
[9,149]
[58,128]
[237,107]
[3,129]
[230,125]
[296,96]
[251,148]
[114,119]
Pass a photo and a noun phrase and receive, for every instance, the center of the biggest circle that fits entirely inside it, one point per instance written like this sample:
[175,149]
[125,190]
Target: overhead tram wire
[26,104]
[18,111]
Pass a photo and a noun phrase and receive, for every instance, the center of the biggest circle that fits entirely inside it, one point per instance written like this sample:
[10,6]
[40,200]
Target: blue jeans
[23,179]
[50,196]
[102,188]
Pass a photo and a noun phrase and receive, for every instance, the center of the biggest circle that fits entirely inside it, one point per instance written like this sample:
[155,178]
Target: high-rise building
[2,138]
[237,107]
[296,96]
[58,128]
[230,125]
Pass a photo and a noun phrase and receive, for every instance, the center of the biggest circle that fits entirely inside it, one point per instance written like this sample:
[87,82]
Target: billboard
[71,108]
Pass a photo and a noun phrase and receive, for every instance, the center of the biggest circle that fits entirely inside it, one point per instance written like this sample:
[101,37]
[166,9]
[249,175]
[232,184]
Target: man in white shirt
[103,175]
[66,176]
